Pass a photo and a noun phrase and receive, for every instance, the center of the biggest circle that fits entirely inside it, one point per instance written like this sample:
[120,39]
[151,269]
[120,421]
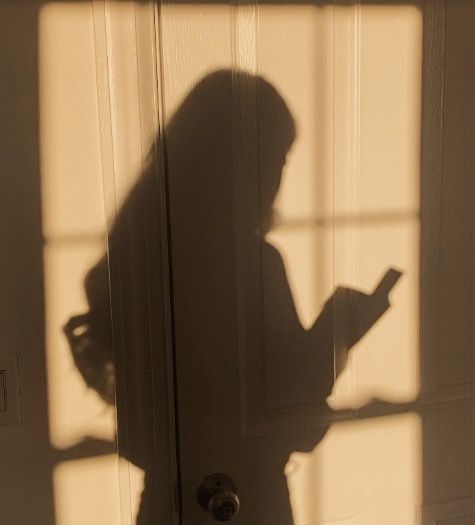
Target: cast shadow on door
[114,343]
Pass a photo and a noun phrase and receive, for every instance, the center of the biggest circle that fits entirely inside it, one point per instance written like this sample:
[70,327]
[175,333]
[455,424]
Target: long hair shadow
[115,352]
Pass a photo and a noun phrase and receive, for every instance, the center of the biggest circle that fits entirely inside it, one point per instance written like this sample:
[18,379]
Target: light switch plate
[3,391]
[9,389]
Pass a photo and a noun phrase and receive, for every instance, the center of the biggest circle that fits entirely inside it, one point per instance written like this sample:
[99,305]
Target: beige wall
[25,473]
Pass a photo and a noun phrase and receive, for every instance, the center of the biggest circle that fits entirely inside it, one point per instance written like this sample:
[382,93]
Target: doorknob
[217,496]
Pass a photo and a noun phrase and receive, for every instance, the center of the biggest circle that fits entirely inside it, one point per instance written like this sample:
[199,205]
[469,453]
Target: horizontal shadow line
[368,219]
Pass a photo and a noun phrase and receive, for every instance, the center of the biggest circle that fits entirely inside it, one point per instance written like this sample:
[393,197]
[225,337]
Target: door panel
[303,192]
[107,318]
[84,462]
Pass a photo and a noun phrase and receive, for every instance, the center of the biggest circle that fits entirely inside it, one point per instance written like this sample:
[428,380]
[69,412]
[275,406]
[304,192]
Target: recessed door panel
[294,167]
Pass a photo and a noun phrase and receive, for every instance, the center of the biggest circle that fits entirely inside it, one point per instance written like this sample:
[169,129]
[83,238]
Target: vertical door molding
[128,64]
[431,185]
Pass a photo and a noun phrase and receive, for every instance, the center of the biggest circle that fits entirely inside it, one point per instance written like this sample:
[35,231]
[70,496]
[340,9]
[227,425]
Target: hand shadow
[113,352]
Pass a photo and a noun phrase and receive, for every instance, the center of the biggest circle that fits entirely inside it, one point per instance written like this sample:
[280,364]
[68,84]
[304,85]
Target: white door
[316,206]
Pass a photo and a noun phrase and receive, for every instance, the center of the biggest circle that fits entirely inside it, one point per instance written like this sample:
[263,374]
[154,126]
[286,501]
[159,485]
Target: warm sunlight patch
[112,497]
[364,472]
[346,217]
[73,210]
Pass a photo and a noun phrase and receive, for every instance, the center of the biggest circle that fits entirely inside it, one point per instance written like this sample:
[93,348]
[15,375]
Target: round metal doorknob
[217,496]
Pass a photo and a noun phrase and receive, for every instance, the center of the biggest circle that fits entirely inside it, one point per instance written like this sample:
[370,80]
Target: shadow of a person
[201,141]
